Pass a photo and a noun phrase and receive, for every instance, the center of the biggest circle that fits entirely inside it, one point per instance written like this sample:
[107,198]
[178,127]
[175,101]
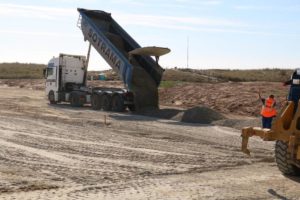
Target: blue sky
[222,33]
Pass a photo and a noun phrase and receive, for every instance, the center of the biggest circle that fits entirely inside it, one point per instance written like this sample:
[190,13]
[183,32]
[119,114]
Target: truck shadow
[145,118]
[67,106]
[197,116]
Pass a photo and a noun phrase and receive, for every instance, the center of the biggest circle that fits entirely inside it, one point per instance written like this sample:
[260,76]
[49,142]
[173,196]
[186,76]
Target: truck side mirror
[45,73]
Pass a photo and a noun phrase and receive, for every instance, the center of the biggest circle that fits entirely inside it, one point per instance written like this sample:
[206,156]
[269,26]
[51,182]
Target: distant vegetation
[170,84]
[218,75]
[21,71]
[171,77]
[269,75]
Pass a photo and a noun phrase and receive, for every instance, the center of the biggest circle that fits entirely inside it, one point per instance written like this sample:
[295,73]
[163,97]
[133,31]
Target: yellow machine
[286,132]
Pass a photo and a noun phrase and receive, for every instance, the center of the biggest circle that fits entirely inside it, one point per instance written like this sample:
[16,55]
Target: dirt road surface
[58,152]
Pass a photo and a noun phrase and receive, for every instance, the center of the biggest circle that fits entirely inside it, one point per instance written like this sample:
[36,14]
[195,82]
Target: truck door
[51,78]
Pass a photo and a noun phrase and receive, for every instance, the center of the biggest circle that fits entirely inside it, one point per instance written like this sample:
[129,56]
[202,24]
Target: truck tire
[118,103]
[51,97]
[106,102]
[96,102]
[131,108]
[75,99]
[284,160]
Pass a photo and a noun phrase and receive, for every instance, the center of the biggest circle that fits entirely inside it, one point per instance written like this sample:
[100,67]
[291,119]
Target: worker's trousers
[267,122]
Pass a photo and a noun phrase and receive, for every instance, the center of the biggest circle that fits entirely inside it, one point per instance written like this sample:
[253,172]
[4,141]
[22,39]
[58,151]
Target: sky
[202,34]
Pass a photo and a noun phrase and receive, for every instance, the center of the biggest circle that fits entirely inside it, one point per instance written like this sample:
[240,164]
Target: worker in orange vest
[268,110]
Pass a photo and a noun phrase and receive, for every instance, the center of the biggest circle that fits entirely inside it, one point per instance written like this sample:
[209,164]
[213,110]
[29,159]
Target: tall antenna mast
[187,52]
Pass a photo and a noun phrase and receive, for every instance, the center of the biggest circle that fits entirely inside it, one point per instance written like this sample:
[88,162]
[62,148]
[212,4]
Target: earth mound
[198,114]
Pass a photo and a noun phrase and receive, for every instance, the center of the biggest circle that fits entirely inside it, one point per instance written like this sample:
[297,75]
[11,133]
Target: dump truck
[137,67]
[285,131]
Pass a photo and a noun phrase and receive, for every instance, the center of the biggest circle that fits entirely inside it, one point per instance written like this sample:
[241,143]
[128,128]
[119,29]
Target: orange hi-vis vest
[268,109]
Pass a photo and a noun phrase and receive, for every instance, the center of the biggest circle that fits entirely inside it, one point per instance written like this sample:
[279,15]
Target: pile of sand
[199,114]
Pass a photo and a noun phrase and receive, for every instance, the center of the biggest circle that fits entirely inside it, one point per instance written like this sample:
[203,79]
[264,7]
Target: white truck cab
[64,74]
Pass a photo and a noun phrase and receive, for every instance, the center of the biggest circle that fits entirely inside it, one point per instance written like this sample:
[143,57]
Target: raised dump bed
[140,73]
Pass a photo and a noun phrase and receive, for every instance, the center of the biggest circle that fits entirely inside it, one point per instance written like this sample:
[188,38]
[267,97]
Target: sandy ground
[58,152]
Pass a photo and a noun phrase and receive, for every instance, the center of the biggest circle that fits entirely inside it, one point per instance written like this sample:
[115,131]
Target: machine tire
[96,102]
[118,103]
[51,97]
[75,99]
[106,102]
[284,160]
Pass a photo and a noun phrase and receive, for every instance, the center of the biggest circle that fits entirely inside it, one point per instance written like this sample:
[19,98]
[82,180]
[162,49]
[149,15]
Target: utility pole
[187,52]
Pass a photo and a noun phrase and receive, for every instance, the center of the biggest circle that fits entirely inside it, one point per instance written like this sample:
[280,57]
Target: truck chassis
[107,99]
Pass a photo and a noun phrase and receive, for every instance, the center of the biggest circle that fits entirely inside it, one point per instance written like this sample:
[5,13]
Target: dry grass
[170,78]
[21,71]
[268,75]
[174,77]
[187,76]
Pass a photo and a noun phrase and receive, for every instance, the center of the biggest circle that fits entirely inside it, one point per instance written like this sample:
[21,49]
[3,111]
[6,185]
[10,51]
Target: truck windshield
[49,72]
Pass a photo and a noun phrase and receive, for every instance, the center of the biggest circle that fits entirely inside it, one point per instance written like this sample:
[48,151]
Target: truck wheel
[131,108]
[106,102]
[75,99]
[284,160]
[118,103]
[96,102]
[51,98]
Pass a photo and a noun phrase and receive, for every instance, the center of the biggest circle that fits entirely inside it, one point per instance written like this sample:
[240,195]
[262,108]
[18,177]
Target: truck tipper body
[140,73]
